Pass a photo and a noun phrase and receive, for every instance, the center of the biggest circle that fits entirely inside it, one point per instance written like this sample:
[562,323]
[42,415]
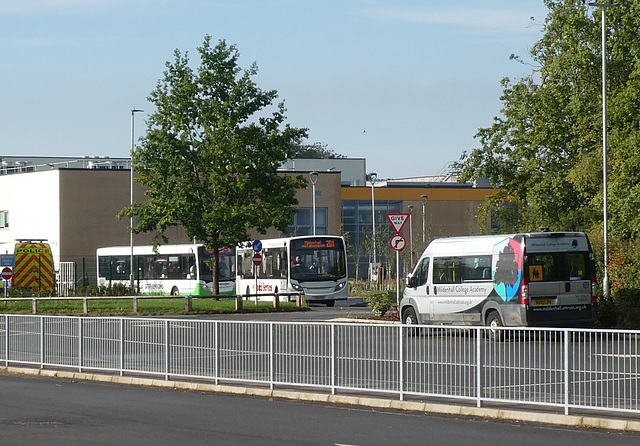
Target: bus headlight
[296,287]
[340,286]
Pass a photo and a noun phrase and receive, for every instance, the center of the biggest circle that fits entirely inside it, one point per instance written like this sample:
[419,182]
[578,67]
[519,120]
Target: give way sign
[397,221]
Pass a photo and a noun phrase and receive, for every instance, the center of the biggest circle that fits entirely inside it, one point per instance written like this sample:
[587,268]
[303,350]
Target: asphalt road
[354,307]
[45,411]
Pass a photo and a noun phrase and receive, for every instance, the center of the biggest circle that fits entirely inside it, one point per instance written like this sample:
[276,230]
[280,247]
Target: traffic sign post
[257,260]
[397,220]
[398,242]
[7,274]
[8,260]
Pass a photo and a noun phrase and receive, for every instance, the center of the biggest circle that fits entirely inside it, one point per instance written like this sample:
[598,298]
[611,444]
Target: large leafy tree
[545,150]
[211,152]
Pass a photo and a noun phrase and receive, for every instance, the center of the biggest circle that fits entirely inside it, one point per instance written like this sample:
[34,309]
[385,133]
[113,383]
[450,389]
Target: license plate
[539,302]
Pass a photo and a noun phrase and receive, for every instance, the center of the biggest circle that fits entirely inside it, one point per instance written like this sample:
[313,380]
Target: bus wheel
[174,291]
[494,321]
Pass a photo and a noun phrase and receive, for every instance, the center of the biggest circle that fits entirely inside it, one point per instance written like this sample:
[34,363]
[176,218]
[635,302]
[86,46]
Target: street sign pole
[398,277]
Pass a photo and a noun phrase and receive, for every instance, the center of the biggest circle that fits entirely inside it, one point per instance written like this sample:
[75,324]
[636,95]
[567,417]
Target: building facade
[73,203]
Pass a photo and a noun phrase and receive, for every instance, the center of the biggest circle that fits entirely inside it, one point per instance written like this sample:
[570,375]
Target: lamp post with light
[605,207]
[372,179]
[133,113]
[313,176]
[423,200]
[410,235]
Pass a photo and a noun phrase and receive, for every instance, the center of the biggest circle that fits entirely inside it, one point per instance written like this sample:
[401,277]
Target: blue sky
[402,83]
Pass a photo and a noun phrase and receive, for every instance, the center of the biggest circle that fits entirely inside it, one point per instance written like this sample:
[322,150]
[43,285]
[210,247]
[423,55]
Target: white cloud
[504,19]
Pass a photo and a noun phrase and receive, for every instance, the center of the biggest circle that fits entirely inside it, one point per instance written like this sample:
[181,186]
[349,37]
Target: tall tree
[545,151]
[316,150]
[211,153]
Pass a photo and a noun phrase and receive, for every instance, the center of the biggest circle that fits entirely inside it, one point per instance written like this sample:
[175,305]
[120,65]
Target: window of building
[357,222]
[303,222]
[4,219]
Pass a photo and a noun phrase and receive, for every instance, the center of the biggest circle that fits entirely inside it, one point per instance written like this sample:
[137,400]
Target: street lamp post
[372,179]
[605,198]
[423,200]
[410,235]
[133,284]
[313,176]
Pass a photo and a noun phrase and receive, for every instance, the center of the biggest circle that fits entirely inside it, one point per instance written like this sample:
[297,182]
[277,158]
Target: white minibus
[529,279]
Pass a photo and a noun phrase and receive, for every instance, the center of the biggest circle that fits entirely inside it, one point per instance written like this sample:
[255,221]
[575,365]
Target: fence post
[85,306]
[121,346]
[6,340]
[239,304]
[479,335]
[188,304]
[42,335]
[80,335]
[167,352]
[216,349]
[401,339]
[34,305]
[271,357]
[276,300]
[333,357]
[135,304]
[567,338]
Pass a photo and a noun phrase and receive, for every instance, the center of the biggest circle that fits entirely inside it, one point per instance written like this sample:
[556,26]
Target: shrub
[380,302]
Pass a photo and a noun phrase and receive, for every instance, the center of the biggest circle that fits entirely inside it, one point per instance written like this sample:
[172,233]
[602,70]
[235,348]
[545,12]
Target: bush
[380,302]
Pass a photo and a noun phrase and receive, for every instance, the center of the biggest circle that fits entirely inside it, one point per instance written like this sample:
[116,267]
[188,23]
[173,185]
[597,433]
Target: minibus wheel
[175,292]
[494,321]
[409,318]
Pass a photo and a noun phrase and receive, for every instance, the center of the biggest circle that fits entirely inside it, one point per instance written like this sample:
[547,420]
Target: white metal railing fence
[566,368]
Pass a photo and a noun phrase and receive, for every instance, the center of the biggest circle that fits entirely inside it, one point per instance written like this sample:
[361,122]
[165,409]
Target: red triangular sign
[397,221]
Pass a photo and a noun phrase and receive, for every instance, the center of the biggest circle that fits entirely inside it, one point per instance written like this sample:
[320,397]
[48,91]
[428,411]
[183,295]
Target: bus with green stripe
[176,270]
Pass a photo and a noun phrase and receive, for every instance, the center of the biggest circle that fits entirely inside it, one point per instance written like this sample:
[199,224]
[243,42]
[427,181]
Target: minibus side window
[476,268]
[446,270]
[422,272]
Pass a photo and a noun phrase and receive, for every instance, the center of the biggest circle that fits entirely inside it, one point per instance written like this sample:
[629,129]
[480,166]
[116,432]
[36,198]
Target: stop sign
[257,259]
[7,273]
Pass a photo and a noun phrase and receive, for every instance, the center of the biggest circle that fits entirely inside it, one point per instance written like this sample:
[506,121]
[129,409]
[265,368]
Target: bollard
[34,306]
[300,300]
[188,304]
[276,300]
[135,304]
[239,302]
[85,306]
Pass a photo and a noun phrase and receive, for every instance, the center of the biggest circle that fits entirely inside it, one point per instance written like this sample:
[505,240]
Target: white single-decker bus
[315,265]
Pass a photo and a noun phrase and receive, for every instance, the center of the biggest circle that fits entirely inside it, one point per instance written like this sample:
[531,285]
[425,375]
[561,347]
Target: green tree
[545,150]
[315,151]
[211,153]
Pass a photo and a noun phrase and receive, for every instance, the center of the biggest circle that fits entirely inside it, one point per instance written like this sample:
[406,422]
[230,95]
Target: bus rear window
[564,266]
